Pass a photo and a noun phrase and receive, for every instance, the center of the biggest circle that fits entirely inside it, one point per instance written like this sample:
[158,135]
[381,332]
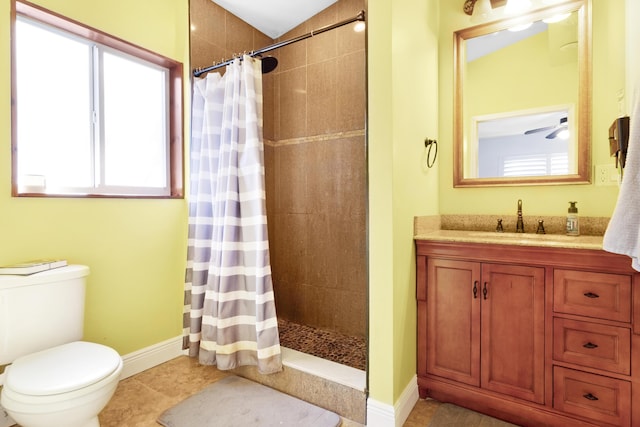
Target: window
[92,115]
[536,165]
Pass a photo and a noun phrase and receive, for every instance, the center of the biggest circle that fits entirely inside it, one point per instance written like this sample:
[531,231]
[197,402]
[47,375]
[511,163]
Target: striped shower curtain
[230,317]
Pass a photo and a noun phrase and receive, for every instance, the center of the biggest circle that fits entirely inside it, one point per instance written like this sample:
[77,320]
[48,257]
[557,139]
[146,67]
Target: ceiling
[274,17]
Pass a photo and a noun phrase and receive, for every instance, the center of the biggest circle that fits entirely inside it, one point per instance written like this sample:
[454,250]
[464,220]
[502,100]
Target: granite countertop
[518,239]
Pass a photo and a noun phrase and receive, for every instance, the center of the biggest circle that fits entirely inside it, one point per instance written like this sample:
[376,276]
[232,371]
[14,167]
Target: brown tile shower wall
[317,230]
[316,175]
[315,160]
[217,34]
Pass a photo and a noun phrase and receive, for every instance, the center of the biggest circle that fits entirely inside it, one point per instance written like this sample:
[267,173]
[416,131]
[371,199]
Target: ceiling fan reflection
[555,130]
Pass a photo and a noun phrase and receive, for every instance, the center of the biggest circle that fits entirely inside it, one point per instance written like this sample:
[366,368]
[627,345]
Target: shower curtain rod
[359,17]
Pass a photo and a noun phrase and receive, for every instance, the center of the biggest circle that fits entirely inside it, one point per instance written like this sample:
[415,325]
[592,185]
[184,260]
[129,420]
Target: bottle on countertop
[573,225]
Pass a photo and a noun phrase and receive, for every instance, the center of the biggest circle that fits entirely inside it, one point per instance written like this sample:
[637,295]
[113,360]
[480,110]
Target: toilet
[53,378]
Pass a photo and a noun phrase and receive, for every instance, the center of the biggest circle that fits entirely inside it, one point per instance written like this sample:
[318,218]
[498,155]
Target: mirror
[523,99]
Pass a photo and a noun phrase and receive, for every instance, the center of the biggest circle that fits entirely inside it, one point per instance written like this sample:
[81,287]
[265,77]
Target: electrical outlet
[606,175]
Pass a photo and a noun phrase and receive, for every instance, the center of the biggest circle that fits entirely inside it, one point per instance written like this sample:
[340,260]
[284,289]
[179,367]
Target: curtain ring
[431,143]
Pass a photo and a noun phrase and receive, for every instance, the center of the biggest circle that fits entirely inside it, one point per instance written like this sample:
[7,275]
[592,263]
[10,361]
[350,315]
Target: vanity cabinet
[533,335]
[473,310]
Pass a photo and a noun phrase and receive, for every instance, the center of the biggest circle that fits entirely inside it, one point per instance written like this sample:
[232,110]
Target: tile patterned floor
[140,399]
[329,345]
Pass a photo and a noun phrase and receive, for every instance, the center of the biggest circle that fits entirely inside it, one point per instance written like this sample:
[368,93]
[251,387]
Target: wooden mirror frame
[583,170]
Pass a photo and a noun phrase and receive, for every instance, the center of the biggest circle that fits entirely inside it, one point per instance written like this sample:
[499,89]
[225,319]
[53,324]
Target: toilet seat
[62,369]
[25,403]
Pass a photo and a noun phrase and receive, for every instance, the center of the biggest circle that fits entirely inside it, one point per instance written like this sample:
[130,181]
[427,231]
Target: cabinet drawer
[600,295]
[593,345]
[599,398]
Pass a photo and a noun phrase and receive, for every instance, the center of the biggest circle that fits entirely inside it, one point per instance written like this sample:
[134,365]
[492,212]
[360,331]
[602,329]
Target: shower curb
[333,395]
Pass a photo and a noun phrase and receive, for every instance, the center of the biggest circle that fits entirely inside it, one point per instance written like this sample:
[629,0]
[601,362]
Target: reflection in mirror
[524,143]
[522,104]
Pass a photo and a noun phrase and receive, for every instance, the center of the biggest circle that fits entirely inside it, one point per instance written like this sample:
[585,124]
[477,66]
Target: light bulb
[514,7]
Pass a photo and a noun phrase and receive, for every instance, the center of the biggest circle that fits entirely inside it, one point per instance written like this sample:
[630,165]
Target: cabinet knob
[590,345]
[475,289]
[590,396]
[591,295]
[484,290]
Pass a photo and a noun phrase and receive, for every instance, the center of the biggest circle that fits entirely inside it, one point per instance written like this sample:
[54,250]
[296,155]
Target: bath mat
[237,402]
[448,415]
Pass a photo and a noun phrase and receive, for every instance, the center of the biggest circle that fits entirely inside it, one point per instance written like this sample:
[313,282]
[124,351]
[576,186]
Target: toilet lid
[62,369]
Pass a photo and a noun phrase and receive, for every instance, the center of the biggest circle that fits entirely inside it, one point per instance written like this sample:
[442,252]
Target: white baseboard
[151,356]
[379,414]
[407,401]
[383,415]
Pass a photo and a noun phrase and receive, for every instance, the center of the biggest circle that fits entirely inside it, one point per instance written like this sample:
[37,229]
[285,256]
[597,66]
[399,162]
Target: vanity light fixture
[482,11]
[469,6]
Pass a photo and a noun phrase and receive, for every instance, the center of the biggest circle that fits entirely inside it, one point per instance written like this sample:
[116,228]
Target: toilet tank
[41,310]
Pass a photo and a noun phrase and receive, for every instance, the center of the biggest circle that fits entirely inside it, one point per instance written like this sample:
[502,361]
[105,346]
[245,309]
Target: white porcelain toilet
[54,379]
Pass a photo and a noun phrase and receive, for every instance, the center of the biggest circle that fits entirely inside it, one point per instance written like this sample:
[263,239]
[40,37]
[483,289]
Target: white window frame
[543,164]
[173,120]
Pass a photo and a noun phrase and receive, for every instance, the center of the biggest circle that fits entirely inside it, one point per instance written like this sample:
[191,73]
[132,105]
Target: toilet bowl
[63,386]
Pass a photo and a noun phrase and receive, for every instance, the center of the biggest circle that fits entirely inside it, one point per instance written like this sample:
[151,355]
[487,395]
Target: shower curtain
[230,317]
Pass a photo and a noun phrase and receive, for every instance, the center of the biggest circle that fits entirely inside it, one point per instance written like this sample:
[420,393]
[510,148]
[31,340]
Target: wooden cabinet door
[513,331]
[453,320]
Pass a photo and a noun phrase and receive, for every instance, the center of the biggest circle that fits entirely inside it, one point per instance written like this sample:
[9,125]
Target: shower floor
[328,345]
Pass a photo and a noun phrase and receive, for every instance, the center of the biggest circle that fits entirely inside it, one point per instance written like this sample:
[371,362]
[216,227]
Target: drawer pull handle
[484,290]
[591,295]
[590,345]
[475,289]
[590,396]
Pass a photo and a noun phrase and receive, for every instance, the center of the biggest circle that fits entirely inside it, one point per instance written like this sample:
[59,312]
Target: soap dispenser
[573,226]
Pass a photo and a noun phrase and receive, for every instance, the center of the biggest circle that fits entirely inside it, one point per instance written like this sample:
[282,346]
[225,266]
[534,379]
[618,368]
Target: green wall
[402,112]
[136,249]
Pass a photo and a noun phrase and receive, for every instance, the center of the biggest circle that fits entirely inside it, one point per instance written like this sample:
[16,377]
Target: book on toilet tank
[31,267]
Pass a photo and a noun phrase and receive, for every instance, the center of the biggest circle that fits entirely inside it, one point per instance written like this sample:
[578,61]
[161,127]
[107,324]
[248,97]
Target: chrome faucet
[520,223]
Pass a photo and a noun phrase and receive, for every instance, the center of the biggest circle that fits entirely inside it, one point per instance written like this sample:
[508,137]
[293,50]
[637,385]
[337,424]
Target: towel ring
[428,145]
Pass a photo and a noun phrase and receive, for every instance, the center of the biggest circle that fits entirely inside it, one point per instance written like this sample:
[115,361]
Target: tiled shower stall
[315,160]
